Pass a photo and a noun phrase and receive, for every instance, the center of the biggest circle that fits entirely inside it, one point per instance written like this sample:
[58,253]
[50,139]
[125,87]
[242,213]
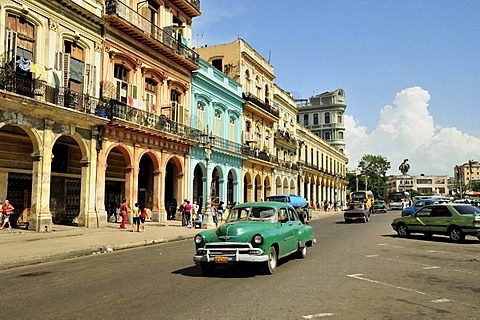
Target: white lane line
[430,268]
[440,300]
[358,276]
[372,255]
[318,315]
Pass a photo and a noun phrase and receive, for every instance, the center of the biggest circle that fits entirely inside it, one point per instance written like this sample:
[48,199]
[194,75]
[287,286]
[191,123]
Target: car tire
[456,235]
[207,268]
[402,230]
[271,264]
[302,252]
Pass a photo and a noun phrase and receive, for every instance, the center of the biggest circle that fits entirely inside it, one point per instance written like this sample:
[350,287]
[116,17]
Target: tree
[404,167]
[374,168]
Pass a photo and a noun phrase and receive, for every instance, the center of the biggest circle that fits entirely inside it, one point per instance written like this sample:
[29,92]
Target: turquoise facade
[216,164]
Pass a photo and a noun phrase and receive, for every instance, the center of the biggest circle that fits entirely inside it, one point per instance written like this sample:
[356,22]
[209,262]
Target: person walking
[135,217]
[220,210]
[7,211]
[143,216]
[123,212]
[188,212]
[214,214]
[194,213]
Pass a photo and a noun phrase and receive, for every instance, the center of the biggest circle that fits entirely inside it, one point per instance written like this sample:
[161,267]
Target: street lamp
[357,173]
[208,141]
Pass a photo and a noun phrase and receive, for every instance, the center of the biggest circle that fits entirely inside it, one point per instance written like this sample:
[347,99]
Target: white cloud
[406,130]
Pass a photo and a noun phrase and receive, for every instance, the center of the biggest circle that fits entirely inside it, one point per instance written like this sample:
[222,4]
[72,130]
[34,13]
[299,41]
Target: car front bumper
[229,252]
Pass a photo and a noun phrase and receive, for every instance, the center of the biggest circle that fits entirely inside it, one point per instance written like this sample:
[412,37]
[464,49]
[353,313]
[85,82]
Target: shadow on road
[434,238]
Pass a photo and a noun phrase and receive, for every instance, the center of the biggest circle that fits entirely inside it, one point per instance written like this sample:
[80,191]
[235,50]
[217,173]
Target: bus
[363,197]
[398,200]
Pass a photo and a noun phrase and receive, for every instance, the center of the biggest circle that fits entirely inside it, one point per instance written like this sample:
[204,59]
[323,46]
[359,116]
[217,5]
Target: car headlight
[257,239]
[198,239]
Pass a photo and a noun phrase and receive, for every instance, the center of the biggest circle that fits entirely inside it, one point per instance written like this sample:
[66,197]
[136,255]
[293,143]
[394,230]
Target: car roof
[273,204]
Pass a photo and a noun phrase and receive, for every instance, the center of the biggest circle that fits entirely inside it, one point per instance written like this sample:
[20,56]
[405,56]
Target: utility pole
[470,178]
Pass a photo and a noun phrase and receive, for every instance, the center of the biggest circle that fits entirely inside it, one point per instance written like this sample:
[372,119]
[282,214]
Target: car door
[419,221]
[286,233]
[440,219]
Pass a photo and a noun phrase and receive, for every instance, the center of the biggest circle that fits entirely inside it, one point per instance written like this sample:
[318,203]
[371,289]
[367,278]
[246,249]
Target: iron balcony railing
[226,144]
[121,110]
[116,7]
[268,108]
[23,84]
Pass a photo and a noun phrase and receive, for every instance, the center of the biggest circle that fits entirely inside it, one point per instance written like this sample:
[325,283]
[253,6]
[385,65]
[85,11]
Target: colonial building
[244,65]
[467,172]
[216,163]
[285,143]
[425,185]
[322,169]
[50,118]
[323,115]
[146,86]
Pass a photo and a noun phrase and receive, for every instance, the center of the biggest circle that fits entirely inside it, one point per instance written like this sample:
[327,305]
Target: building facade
[244,65]
[146,85]
[216,163]
[425,185]
[323,114]
[49,117]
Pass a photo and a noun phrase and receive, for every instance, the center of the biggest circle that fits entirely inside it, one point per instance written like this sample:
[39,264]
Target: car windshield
[467,209]
[252,213]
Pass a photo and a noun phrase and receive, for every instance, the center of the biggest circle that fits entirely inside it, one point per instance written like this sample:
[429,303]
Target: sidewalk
[19,247]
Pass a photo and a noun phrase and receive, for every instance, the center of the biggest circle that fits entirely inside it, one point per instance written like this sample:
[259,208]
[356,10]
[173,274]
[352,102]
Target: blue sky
[410,69]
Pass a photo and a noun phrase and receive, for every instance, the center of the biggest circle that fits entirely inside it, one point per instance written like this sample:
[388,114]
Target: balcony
[190,7]
[23,84]
[284,138]
[257,102]
[139,28]
[222,143]
[147,120]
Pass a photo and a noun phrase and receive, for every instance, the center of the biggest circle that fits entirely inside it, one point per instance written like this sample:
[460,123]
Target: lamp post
[470,162]
[357,173]
[208,219]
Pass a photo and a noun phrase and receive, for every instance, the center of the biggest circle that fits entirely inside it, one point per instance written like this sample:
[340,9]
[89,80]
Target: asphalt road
[355,271]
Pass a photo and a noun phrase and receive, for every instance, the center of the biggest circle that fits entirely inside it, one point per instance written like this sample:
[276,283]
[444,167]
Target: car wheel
[271,261]
[456,235]
[402,230]
[207,268]
[302,252]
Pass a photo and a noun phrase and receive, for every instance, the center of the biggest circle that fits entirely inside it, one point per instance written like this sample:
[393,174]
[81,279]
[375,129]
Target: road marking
[372,255]
[431,267]
[318,315]
[440,300]
[358,276]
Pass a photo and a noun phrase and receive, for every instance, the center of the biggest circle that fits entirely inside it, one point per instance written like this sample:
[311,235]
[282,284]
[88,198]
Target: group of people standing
[139,215]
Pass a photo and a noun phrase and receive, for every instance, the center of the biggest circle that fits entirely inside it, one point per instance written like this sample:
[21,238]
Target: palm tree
[404,167]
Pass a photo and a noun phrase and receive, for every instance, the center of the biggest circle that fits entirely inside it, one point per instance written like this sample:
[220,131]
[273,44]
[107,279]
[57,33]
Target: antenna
[201,37]
[269,55]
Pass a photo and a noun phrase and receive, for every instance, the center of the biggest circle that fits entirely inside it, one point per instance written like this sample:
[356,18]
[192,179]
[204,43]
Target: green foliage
[374,169]
[7,71]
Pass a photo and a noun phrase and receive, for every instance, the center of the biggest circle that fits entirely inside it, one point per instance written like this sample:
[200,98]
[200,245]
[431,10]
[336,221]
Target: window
[267,93]
[177,108]
[150,95]
[305,119]
[20,38]
[247,86]
[232,129]
[120,73]
[218,123]
[327,117]
[315,119]
[440,211]
[339,117]
[200,115]
[218,64]
[327,135]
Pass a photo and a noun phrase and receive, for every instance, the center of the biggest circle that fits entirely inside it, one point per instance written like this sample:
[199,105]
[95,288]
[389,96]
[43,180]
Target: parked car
[254,232]
[417,205]
[380,206]
[454,220]
[357,212]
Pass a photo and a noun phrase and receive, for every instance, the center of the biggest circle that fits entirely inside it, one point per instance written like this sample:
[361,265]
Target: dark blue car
[417,205]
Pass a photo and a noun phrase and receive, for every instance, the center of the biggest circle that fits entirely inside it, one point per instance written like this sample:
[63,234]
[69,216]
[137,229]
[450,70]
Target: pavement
[20,247]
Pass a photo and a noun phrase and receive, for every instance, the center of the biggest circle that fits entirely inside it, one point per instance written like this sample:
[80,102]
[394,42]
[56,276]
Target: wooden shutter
[90,79]
[66,69]
[132,91]
[11,45]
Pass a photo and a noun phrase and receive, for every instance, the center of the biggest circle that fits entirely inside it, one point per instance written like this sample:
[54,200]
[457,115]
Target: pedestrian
[214,214]
[7,211]
[181,209]
[143,215]
[188,211]
[220,210]
[194,213]
[135,217]
[123,212]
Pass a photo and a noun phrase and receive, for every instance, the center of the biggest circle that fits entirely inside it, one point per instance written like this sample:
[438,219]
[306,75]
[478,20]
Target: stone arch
[247,187]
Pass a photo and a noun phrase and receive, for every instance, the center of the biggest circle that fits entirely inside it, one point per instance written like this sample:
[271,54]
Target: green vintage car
[255,232]
[454,220]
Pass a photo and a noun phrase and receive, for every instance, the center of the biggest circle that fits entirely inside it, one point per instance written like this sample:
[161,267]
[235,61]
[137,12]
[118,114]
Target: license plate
[221,259]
